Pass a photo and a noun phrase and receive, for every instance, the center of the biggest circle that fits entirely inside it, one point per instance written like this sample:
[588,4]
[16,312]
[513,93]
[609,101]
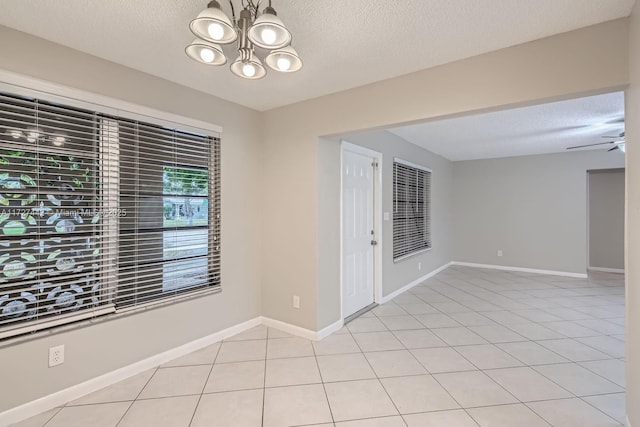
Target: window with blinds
[100,213]
[168,234]
[411,209]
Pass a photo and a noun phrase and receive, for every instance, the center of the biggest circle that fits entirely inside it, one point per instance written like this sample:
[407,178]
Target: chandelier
[213,28]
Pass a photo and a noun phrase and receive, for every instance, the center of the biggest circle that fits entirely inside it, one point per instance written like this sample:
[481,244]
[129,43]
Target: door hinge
[374,242]
[374,164]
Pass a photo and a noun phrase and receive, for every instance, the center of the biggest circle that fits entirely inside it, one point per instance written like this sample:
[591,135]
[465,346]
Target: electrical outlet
[499,252]
[56,356]
[296,301]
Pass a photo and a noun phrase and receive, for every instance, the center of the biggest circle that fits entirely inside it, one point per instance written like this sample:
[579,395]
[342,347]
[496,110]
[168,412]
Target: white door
[358,180]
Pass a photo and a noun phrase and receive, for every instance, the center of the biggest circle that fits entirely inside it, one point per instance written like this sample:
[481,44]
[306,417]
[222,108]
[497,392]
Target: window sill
[411,255]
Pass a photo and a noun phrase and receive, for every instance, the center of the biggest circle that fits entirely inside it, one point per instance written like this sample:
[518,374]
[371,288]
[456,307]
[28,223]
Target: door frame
[377,220]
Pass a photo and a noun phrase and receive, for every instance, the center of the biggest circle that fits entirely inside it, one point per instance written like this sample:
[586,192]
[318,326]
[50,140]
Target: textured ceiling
[343,44]
[539,129]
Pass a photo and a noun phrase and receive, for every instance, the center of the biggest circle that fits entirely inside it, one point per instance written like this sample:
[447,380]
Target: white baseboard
[521,269]
[303,332]
[61,397]
[325,332]
[289,328]
[607,270]
[416,282]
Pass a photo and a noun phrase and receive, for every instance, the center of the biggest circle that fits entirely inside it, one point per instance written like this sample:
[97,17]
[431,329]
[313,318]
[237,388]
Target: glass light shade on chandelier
[251,68]
[213,28]
[206,53]
[285,60]
[213,25]
[269,32]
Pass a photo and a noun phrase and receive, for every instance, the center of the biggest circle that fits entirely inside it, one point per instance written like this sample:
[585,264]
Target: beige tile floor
[469,347]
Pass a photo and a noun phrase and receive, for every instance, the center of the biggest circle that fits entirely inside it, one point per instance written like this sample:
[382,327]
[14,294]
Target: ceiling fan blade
[590,145]
[620,135]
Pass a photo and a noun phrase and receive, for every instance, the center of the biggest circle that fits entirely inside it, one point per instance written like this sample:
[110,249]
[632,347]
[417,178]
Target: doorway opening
[605,220]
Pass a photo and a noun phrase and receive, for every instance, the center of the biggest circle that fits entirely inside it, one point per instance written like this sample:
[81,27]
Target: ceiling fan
[617,140]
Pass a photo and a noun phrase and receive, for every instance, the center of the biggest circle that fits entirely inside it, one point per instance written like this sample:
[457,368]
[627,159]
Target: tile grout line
[376,375]
[600,375]
[326,396]
[583,367]
[51,417]
[155,370]
[204,386]
[600,410]
[575,395]
[264,380]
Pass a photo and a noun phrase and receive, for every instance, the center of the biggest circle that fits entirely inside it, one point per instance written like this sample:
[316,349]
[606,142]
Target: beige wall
[97,349]
[606,219]
[533,208]
[632,241]
[589,60]
[394,275]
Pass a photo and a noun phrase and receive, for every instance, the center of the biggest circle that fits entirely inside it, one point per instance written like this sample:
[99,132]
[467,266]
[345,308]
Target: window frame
[29,87]
[426,215]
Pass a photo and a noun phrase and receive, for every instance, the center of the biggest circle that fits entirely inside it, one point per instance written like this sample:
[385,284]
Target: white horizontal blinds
[169,202]
[99,212]
[50,222]
[412,210]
